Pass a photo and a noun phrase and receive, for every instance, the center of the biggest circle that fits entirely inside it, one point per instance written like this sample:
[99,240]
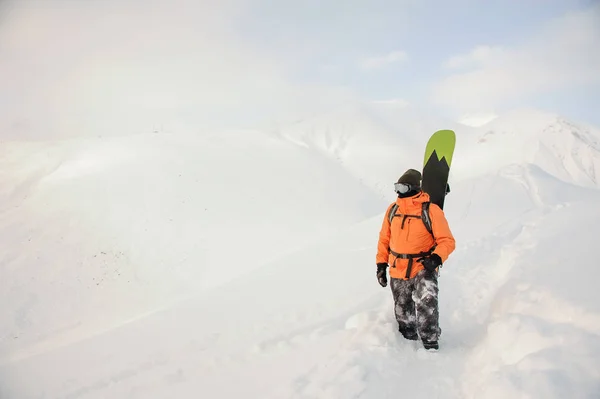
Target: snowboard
[436,165]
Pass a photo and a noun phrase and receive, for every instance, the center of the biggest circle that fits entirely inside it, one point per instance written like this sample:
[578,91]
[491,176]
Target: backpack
[424,216]
[426,221]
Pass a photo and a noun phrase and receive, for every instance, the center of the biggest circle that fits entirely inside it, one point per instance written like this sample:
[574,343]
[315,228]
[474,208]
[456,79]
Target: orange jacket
[413,237]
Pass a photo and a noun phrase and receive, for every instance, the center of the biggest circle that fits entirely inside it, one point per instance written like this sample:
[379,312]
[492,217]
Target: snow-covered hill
[374,141]
[316,324]
[98,231]
[242,263]
[564,149]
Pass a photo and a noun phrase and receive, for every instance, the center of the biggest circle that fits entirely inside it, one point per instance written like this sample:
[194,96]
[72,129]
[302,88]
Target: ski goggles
[403,188]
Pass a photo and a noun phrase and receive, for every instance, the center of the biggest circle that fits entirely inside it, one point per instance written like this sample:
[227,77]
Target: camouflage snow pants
[416,306]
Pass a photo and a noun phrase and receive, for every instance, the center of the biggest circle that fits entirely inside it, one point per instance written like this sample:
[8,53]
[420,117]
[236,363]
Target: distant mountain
[377,141]
[564,149]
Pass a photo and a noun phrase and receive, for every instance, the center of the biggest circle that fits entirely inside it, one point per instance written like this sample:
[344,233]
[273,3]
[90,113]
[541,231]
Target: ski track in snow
[376,361]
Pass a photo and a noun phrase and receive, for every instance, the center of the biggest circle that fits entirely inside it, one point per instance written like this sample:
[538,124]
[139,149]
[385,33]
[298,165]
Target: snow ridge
[566,150]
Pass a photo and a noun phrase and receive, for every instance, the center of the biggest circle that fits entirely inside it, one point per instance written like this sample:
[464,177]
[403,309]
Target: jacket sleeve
[383,244]
[441,231]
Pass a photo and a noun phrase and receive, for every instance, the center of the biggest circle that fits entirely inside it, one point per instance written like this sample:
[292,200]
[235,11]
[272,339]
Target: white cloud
[393,102]
[477,120]
[565,54]
[478,56]
[116,67]
[384,60]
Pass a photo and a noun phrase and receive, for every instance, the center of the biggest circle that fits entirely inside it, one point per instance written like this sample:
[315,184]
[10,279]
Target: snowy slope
[302,316]
[317,325]
[98,231]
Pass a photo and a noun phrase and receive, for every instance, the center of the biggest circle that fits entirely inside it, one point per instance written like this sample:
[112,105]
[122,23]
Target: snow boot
[410,335]
[431,345]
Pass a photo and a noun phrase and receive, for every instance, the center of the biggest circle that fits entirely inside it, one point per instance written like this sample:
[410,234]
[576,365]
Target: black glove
[432,262]
[381,275]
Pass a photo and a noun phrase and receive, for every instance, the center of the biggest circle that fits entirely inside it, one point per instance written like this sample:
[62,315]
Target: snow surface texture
[241,264]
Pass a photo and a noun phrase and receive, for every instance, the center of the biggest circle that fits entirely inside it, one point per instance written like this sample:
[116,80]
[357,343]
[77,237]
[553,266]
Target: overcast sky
[68,65]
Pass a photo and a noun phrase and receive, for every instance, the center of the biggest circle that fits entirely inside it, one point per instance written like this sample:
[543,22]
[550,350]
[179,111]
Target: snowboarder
[414,241]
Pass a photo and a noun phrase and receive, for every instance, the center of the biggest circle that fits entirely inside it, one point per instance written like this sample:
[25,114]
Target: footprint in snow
[359,320]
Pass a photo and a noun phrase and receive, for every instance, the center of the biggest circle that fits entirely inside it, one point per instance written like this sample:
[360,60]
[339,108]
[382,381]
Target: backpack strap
[426,218]
[411,258]
[392,212]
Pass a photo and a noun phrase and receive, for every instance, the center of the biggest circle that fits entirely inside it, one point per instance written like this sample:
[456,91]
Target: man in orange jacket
[414,253]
